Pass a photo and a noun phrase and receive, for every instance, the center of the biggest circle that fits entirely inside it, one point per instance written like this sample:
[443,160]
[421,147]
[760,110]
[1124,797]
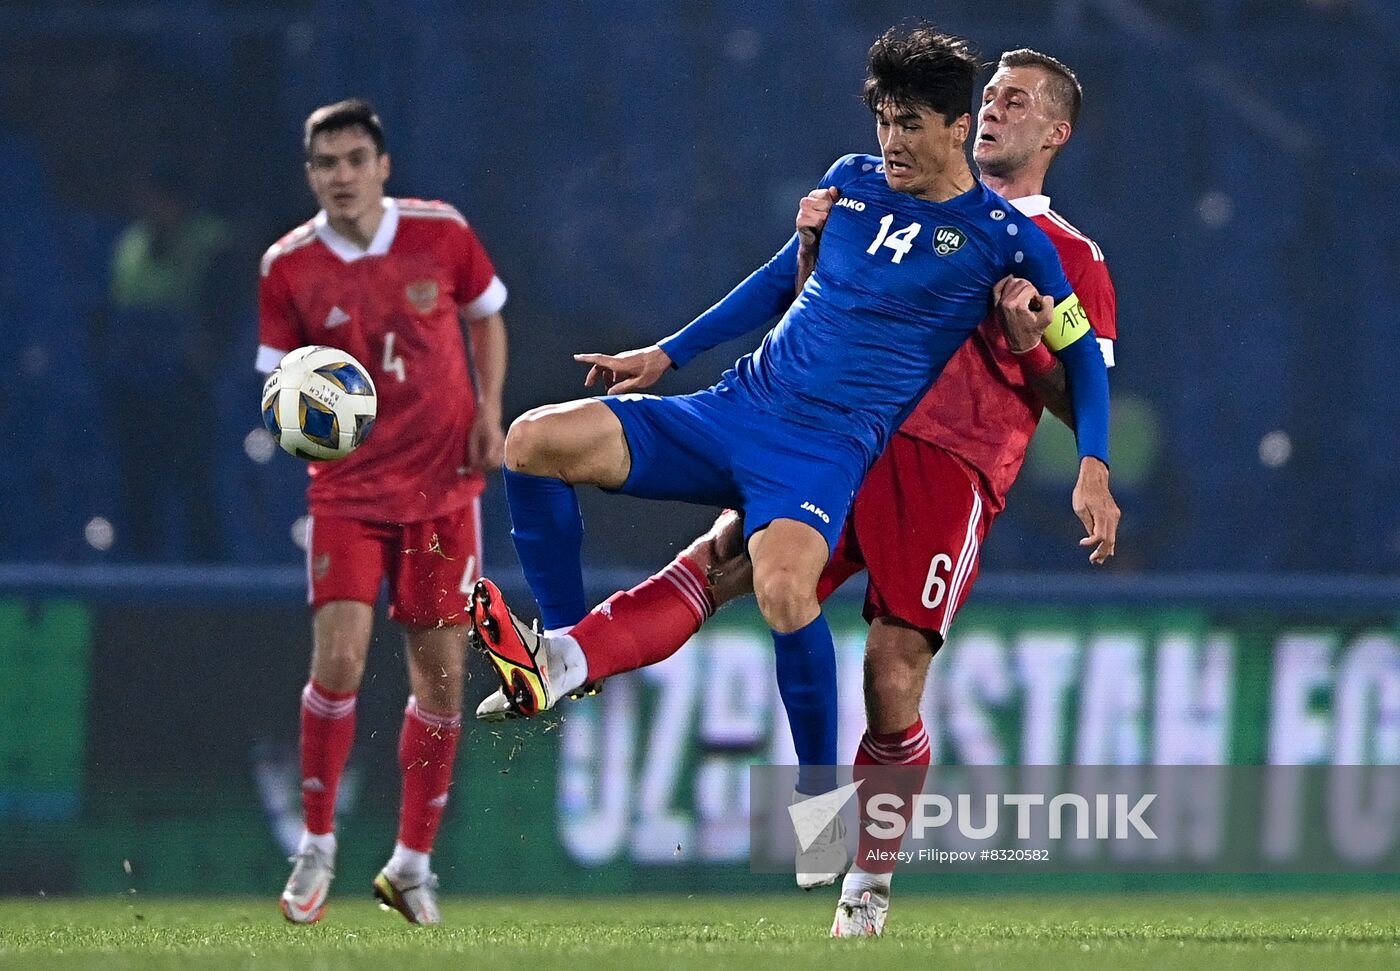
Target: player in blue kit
[911,255]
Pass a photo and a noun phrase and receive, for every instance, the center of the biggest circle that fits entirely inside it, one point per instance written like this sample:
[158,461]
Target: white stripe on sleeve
[492,299]
[1106,346]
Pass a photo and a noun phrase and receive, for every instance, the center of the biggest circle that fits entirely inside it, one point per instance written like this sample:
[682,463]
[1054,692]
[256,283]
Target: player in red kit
[926,505]
[392,281]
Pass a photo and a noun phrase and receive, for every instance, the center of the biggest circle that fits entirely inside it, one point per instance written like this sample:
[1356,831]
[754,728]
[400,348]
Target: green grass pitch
[774,933]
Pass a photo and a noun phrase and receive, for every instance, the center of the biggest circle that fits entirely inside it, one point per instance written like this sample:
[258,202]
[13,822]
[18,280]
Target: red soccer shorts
[430,566]
[917,525]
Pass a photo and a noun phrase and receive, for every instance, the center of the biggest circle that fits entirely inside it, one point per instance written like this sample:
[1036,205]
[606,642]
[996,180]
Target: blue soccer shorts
[714,448]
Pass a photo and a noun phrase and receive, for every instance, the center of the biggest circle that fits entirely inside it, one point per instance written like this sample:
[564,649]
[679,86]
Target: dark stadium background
[626,163]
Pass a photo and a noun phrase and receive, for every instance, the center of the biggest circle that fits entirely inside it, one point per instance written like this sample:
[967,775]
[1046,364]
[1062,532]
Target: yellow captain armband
[1069,322]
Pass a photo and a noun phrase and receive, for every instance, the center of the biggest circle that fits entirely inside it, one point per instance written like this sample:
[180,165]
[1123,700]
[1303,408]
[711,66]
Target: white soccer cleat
[304,899]
[862,916]
[495,707]
[417,902]
[822,863]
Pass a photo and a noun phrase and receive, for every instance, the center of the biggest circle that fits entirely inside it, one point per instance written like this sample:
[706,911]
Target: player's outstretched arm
[1026,312]
[1094,504]
[766,293]
[1025,331]
[1068,334]
[1087,378]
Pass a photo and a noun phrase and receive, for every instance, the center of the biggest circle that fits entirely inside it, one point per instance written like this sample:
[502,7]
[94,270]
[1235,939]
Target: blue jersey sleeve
[843,170]
[1070,337]
[1034,258]
[766,293]
[1086,376]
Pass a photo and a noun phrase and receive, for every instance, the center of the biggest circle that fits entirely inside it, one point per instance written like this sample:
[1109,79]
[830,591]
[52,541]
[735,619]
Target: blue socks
[547,528]
[806,664]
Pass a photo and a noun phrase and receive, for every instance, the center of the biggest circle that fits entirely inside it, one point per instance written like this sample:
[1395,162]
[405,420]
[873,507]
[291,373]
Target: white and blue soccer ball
[319,403]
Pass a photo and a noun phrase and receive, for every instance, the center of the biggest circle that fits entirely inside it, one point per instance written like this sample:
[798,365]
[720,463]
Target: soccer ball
[319,403]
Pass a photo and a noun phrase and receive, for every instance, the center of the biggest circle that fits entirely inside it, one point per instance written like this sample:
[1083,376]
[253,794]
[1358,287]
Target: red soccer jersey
[982,409]
[394,306]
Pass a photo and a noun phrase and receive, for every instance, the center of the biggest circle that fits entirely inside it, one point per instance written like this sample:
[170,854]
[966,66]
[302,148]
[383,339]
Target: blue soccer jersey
[900,284]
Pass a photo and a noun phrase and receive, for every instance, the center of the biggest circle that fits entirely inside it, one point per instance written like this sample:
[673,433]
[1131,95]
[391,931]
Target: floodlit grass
[773,933]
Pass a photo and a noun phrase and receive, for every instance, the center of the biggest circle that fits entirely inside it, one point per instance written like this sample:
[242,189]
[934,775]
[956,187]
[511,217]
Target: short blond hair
[1065,90]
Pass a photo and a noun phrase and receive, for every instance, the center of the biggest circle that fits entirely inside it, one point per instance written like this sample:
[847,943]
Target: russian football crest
[423,294]
[948,239]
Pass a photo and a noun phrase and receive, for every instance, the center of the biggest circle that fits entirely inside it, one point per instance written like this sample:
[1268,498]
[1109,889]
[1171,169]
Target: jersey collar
[348,251]
[1032,205]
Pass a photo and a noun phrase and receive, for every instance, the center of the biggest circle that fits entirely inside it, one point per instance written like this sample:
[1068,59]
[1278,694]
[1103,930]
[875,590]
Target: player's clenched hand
[628,371]
[812,213]
[1024,312]
[1096,509]
[486,446]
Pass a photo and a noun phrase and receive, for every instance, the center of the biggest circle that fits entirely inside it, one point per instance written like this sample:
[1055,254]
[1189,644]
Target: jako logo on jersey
[336,317]
[948,239]
[808,507]
[855,204]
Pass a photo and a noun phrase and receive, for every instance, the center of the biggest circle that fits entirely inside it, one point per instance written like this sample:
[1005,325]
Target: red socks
[896,763]
[427,751]
[327,732]
[646,624]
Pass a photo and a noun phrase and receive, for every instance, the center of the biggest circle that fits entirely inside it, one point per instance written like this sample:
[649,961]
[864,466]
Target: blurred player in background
[911,254]
[925,507]
[173,313]
[392,281]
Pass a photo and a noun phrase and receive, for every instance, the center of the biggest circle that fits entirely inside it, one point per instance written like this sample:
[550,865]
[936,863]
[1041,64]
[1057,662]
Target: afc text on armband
[1070,322]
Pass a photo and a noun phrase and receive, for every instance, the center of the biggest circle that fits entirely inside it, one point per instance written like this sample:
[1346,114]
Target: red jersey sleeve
[279,327]
[1091,281]
[480,293]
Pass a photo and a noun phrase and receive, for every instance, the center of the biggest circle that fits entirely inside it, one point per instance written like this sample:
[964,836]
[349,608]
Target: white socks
[407,867]
[568,668]
[324,842]
[858,881]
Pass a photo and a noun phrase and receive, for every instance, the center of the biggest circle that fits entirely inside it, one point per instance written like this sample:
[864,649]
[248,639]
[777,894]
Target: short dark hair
[1064,87]
[921,67]
[350,113]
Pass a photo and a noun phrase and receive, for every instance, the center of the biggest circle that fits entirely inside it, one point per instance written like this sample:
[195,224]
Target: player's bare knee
[529,441]
[338,666]
[720,556]
[787,602]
